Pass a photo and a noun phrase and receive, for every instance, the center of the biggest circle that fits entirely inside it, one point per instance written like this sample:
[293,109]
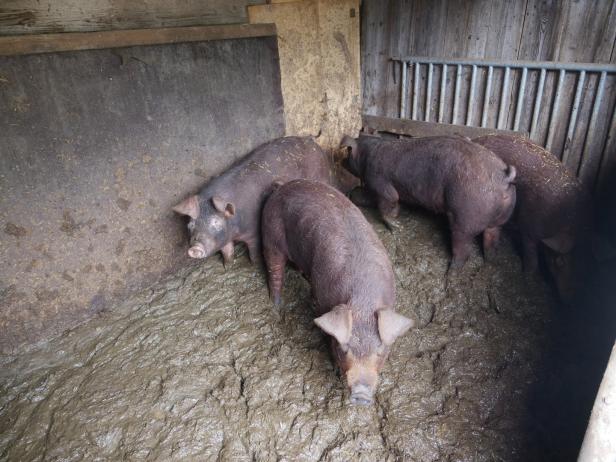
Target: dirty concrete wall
[96,146]
[45,16]
[319,64]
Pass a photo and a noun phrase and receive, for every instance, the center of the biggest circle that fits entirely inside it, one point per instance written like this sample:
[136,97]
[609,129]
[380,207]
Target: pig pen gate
[498,93]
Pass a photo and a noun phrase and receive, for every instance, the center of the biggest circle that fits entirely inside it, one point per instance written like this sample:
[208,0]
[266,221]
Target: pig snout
[197,250]
[362,382]
[361,394]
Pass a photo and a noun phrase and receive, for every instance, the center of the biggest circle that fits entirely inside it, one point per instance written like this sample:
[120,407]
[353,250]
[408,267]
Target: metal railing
[501,111]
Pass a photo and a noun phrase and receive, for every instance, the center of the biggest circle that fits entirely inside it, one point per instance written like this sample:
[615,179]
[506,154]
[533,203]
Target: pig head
[211,226]
[361,344]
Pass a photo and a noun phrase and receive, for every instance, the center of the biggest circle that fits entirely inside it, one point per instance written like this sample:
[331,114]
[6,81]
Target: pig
[318,229]
[445,174]
[228,209]
[553,207]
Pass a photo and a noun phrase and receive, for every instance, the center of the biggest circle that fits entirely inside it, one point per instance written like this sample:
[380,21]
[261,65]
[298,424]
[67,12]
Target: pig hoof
[276,299]
[451,274]
[392,225]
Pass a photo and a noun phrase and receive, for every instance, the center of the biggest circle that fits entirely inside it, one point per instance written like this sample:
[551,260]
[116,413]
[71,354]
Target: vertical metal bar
[456,93]
[428,92]
[592,125]
[607,148]
[518,107]
[441,102]
[415,89]
[503,99]
[403,91]
[486,97]
[573,118]
[555,106]
[537,108]
[471,96]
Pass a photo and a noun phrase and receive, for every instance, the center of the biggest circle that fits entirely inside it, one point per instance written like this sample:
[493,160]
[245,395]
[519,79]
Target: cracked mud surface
[203,367]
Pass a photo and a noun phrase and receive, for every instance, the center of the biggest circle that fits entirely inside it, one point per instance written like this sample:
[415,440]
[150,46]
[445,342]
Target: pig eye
[191,225]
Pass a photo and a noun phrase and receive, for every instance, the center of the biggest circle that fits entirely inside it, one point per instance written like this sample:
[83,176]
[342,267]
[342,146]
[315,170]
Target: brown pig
[228,209]
[552,208]
[327,237]
[445,174]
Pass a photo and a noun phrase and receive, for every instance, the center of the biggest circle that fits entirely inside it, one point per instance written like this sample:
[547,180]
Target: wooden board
[50,43]
[53,16]
[418,128]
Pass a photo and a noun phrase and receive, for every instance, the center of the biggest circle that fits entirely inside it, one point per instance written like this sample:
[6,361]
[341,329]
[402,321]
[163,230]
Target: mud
[203,367]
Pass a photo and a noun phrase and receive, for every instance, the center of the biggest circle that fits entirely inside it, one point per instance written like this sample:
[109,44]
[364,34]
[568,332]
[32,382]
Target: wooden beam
[418,128]
[51,43]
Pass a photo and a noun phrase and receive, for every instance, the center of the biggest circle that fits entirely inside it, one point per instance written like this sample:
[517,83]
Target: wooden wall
[47,16]
[536,30]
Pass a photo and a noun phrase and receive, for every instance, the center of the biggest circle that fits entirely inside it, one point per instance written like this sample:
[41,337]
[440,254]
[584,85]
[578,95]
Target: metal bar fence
[497,114]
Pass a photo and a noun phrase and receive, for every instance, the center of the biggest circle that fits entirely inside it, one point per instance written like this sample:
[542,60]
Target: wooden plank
[50,43]
[52,16]
[374,49]
[419,128]
[542,29]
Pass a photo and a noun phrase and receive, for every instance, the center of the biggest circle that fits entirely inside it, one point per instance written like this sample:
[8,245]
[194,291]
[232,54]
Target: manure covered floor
[203,367]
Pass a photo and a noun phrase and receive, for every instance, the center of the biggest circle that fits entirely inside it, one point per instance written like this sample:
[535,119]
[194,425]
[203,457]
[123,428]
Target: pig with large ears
[329,240]
[228,209]
[358,349]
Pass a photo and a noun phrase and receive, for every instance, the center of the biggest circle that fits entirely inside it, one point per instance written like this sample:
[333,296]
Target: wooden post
[600,439]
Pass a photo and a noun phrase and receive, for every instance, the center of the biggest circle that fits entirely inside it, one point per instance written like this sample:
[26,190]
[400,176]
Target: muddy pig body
[322,232]
[445,174]
[552,208]
[228,209]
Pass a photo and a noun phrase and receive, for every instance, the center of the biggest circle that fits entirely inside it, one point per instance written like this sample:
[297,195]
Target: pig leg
[491,237]
[389,205]
[227,254]
[361,198]
[254,251]
[275,262]
[461,246]
[530,254]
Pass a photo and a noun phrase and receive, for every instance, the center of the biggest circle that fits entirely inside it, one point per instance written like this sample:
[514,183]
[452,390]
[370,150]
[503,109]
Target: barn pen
[115,344]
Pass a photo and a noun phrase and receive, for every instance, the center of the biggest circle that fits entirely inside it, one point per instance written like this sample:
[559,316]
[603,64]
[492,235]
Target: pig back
[549,196]
[427,170]
[249,181]
[331,242]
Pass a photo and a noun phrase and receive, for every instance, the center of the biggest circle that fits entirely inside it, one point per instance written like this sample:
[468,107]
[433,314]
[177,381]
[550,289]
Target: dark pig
[327,237]
[553,207]
[228,209]
[445,174]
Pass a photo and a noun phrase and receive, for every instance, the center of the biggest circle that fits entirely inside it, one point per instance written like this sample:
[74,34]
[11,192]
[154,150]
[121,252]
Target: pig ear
[562,242]
[223,206]
[189,206]
[338,323]
[392,325]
